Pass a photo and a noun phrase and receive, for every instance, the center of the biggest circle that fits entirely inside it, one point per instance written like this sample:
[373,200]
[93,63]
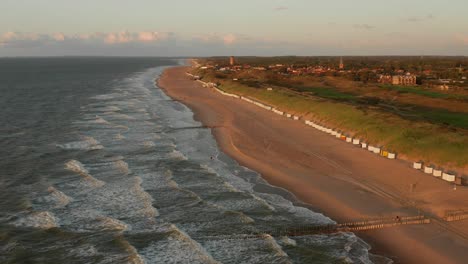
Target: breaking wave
[88,143]
[78,167]
[42,220]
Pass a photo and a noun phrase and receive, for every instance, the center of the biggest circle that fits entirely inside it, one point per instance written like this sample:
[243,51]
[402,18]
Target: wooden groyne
[329,229]
[355,226]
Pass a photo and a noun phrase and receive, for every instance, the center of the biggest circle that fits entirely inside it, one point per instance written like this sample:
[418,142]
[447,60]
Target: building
[407,79]
[231,61]
[385,78]
[341,63]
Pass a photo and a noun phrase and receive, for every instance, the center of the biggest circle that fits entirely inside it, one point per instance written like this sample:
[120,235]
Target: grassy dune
[414,139]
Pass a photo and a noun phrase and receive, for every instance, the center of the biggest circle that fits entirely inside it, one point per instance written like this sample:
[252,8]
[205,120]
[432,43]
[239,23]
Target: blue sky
[241,27]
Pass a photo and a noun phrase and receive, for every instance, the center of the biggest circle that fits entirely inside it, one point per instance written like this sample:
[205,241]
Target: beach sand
[338,179]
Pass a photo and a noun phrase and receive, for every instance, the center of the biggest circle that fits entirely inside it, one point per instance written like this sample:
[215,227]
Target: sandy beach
[340,180]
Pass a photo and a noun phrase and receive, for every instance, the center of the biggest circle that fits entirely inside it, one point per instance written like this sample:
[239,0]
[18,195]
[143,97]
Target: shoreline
[319,171]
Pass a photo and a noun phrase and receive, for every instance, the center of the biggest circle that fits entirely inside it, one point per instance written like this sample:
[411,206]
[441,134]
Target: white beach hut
[437,172]
[428,169]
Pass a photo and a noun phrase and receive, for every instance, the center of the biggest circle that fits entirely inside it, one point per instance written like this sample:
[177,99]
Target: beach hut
[391,155]
[428,169]
[448,176]
[356,141]
[417,165]
[343,137]
[349,139]
[437,172]
[288,115]
[384,153]
[363,145]
[370,148]
[338,134]
[377,150]
[296,118]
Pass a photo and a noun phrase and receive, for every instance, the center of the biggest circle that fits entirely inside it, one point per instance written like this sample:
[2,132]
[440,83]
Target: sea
[99,165]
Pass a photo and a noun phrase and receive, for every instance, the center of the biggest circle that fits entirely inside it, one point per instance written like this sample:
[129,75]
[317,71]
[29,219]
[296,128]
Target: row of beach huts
[345,137]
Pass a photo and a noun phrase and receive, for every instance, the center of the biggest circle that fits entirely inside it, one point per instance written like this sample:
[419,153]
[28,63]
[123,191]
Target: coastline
[337,179]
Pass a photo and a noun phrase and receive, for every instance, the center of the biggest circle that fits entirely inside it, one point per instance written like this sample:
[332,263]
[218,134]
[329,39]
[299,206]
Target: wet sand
[338,179]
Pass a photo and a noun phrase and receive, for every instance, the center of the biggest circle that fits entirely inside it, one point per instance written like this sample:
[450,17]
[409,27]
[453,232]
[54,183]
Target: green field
[420,91]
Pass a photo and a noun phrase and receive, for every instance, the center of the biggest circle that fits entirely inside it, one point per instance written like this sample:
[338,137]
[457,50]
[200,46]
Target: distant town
[441,73]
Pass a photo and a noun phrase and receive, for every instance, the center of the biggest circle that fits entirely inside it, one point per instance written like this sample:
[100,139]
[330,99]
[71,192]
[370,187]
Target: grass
[415,139]
[421,91]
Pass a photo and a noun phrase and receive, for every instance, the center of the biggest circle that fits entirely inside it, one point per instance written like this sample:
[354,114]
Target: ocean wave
[106,96]
[109,108]
[239,249]
[178,247]
[148,144]
[119,116]
[88,143]
[59,198]
[78,167]
[83,251]
[243,217]
[106,223]
[42,220]
[116,163]
[306,216]
[175,154]
[119,137]
[100,120]
[275,246]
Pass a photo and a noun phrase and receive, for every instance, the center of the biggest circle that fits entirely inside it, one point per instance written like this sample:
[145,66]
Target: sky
[235,27]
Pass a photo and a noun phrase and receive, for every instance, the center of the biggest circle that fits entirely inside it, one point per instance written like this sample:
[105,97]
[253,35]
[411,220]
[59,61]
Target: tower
[341,63]
[231,60]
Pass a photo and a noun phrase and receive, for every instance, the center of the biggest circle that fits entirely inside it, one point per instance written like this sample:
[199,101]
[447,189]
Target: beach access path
[338,179]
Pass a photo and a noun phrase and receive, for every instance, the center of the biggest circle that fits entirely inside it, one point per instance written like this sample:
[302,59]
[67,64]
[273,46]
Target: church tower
[341,63]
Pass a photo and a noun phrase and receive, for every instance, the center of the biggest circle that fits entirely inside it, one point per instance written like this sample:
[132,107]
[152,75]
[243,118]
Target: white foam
[107,223]
[178,247]
[58,197]
[79,168]
[84,251]
[287,241]
[119,137]
[106,96]
[88,143]
[76,166]
[175,154]
[275,246]
[121,116]
[122,166]
[109,108]
[43,220]
[148,144]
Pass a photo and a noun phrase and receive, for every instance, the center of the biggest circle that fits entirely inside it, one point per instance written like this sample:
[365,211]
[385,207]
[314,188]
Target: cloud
[118,38]
[13,39]
[416,19]
[229,39]
[363,26]
[59,36]
[460,38]
[225,39]
[281,8]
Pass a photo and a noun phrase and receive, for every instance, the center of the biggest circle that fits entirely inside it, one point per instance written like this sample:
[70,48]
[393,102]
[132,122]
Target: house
[407,79]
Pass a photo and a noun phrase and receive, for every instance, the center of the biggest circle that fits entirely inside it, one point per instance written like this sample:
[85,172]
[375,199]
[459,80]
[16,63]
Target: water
[98,165]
